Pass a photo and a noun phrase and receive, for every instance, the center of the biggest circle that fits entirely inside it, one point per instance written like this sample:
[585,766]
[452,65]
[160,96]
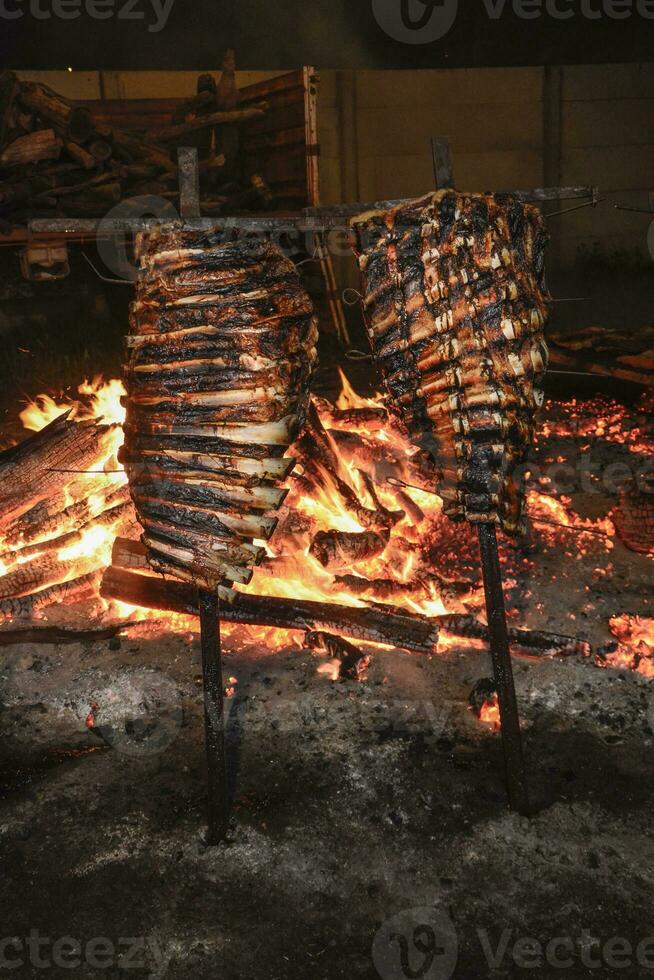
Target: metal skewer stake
[212,674]
[213,715]
[501,656]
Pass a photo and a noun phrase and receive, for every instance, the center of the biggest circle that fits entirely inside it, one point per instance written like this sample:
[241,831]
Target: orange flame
[401,574]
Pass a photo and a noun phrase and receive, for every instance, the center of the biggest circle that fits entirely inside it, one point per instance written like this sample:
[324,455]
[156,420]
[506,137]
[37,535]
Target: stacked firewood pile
[61,501]
[57,160]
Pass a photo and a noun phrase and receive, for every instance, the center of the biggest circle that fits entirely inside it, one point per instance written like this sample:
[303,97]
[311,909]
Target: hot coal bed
[362,724]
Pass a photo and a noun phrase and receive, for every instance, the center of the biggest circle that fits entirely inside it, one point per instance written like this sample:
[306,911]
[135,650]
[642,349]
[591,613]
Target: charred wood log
[57,635]
[43,572]
[80,155]
[374,623]
[342,549]
[371,418]
[27,474]
[67,505]
[383,588]
[555,644]
[44,144]
[394,629]
[73,123]
[120,514]
[74,590]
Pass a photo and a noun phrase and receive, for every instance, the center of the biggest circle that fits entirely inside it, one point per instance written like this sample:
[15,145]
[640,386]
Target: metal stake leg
[501,656]
[213,715]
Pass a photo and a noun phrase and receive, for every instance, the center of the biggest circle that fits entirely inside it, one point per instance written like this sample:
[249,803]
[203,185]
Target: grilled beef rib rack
[220,355]
[455,305]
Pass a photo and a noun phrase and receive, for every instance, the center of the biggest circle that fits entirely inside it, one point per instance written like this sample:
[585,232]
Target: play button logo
[417,944]
[415,21]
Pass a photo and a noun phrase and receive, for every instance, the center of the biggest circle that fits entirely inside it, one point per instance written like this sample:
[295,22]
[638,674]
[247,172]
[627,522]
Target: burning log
[42,572]
[384,588]
[389,517]
[409,506]
[342,549]
[375,623]
[27,475]
[67,506]
[74,590]
[394,628]
[371,418]
[548,644]
[255,610]
[354,662]
[119,514]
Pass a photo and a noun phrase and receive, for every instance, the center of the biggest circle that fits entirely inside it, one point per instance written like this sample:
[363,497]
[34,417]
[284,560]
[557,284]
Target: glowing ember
[557,511]
[489,713]
[635,648]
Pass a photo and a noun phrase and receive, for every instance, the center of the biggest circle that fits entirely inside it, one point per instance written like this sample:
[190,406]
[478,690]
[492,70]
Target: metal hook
[351,302]
[115,282]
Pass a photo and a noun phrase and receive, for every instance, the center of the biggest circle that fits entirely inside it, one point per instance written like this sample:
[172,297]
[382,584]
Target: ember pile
[56,159]
[362,552]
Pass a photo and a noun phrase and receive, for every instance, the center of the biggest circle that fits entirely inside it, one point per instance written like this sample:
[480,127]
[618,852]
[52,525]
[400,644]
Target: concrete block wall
[607,137]
[517,127]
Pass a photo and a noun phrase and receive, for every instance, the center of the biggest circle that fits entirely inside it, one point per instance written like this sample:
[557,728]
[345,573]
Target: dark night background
[327,33]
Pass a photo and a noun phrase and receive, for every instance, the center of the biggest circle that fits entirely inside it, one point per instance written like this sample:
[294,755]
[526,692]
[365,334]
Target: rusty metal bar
[499,647]
[310,219]
[213,716]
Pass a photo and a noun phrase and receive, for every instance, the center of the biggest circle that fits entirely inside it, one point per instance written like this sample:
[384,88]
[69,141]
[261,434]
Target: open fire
[360,528]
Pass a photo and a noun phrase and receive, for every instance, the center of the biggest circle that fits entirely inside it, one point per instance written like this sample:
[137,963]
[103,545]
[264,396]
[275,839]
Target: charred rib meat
[455,305]
[220,354]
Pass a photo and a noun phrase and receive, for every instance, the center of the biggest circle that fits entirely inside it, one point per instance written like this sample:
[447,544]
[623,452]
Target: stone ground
[369,820]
